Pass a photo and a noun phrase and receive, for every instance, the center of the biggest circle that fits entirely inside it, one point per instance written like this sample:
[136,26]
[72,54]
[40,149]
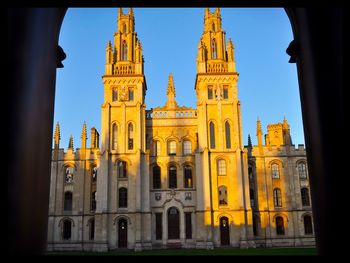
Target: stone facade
[176,176]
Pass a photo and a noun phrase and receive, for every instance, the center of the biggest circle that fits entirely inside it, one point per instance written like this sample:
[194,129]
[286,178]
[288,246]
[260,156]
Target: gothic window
[69,175]
[222,195]
[212,135]
[123,197]
[279,225]
[159,226]
[172,148]
[187,147]
[130,136]
[305,199]
[172,177]
[277,198]
[114,95]
[114,136]
[94,175]
[188,225]
[124,28]
[252,197]
[92,229]
[156,149]
[214,49]
[156,177]
[213,27]
[210,92]
[302,170]
[124,51]
[131,94]
[68,201]
[308,225]
[228,135]
[221,167]
[225,92]
[275,171]
[67,229]
[93,201]
[188,176]
[122,171]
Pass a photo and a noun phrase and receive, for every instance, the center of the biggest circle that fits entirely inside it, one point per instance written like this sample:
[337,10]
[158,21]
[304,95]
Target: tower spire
[57,136]
[171,103]
[70,144]
[249,142]
[83,136]
[259,133]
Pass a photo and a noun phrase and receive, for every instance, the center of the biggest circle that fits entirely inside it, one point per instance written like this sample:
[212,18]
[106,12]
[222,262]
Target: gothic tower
[222,155]
[119,188]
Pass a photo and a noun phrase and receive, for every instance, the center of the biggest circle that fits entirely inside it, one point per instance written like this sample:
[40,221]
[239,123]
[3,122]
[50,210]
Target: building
[176,176]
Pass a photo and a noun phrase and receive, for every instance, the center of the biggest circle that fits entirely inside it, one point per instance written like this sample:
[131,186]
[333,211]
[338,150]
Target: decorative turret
[286,132]
[83,136]
[94,143]
[109,58]
[259,134]
[57,136]
[70,144]
[171,103]
[249,142]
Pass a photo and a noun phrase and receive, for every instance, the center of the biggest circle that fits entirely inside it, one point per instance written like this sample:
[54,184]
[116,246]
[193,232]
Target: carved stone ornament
[123,93]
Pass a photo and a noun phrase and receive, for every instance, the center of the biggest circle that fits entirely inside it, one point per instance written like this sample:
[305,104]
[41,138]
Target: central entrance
[224,231]
[173,223]
[122,233]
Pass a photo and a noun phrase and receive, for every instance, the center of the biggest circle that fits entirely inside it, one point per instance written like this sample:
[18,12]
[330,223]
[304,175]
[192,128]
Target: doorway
[173,223]
[122,233]
[224,231]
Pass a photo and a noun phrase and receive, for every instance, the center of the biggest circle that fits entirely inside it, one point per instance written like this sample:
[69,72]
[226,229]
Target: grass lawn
[199,252]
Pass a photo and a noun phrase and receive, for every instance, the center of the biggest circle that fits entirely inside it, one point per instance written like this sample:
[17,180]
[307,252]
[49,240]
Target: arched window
[114,95]
[214,49]
[156,177]
[124,28]
[228,135]
[92,229]
[222,195]
[213,27]
[124,51]
[67,229]
[212,135]
[305,198]
[122,171]
[221,167]
[302,170]
[187,147]
[69,175]
[172,177]
[93,201]
[275,171]
[172,148]
[68,201]
[156,149]
[130,136]
[114,136]
[123,197]
[188,177]
[279,225]
[277,198]
[308,225]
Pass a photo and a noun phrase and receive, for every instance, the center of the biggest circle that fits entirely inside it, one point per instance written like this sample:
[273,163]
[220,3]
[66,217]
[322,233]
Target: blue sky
[267,85]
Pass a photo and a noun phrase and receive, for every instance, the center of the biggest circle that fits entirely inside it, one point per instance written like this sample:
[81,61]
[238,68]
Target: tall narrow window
[122,171]
[228,135]
[156,177]
[124,28]
[92,229]
[213,27]
[214,49]
[188,225]
[68,201]
[187,147]
[308,225]
[125,51]
[114,136]
[302,170]
[221,167]
[275,171]
[305,199]
[130,136]
[67,230]
[225,93]
[114,95]
[252,197]
[255,225]
[172,148]
[172,177]
[279,225]
[93,201]
[222,195]
[131,94]
[212,135]
[210,92]
[123,197]
[159,226]
[188,176]
[277,198]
